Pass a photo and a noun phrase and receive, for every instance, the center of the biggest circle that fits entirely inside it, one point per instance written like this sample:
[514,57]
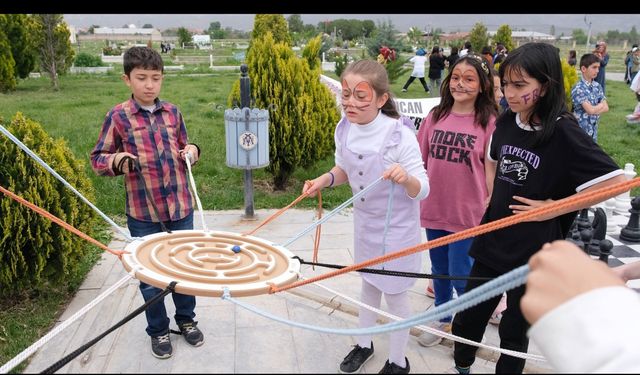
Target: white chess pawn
[623,201]
[609,206]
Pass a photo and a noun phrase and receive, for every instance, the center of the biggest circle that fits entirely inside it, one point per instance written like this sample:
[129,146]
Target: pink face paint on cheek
[525,98]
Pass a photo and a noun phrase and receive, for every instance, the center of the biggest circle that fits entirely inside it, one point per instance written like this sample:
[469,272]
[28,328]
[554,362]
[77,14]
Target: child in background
[371,141]
[541,155]
[151,132]
[418,70]
[588,97]
[634,118]
[460,186]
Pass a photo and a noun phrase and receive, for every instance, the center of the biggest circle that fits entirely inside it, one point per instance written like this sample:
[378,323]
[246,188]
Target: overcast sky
[563,23]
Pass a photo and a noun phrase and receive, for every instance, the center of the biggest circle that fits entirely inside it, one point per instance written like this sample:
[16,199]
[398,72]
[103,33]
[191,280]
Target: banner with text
[415,109]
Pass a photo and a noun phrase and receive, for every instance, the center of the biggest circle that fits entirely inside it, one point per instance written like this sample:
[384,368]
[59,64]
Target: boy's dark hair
[143,58]
[542,62]
[587,59]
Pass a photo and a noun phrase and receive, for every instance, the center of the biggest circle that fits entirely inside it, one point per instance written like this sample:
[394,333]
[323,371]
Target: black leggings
[412,78]
[472,323]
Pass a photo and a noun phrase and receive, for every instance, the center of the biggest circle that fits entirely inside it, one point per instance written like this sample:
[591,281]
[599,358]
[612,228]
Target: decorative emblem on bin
[248,140]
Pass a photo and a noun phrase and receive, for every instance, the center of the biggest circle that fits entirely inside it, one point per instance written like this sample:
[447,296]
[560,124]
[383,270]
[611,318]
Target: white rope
[64,182]
[38,344]
[195,192]
[435,331]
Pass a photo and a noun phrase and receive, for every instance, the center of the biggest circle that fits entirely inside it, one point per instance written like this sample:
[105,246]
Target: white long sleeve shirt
[595,332]
[367,138]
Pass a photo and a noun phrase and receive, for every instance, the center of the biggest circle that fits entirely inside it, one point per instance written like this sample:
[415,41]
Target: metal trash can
[247,137]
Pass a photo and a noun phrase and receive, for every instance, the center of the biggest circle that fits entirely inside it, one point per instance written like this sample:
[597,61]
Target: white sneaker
[404,90]
[430,339]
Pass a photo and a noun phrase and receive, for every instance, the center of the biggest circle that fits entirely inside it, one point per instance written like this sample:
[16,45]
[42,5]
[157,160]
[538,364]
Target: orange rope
[316,240]
[573,203]
[276,214]
[60,222]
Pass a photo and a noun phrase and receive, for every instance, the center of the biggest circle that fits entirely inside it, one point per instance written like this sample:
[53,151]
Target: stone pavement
[238,340]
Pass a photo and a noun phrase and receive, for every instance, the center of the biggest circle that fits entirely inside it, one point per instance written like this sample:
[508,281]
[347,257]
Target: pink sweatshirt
[454,152]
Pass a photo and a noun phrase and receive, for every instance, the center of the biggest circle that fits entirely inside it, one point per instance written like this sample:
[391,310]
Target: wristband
[333,177]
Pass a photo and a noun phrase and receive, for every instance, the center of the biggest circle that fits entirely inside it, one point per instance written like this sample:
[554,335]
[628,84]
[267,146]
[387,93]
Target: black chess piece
[599,225]
[585,236]
[605,250]
[583,220]
[574,234]
[631,232]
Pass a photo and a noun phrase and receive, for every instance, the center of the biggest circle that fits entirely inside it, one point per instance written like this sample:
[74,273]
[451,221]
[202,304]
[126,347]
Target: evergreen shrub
[302,111]
[34,251]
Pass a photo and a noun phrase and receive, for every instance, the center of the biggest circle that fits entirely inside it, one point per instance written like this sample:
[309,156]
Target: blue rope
[387,218]
[495,287]
[64,182]
[332,213]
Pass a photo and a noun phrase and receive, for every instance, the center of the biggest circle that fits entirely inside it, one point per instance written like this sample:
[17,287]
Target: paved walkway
[239,341]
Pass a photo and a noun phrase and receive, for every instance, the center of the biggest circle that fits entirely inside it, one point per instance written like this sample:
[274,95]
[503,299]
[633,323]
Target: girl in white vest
[372,141]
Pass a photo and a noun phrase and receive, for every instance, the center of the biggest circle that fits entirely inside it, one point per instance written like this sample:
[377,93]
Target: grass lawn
[75,113]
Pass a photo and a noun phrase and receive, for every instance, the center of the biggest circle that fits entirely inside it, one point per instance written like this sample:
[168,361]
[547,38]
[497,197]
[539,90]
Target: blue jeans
[157,320]
[453,260]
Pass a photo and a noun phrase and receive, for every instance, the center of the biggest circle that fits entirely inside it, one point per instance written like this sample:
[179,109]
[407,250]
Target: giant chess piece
[583,220]
[605,250]
[631,232]
[585,236]
[623,201]
[599,225]
[609,206]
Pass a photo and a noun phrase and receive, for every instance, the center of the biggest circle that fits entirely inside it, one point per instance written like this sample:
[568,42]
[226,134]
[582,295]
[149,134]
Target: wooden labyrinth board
[204,263]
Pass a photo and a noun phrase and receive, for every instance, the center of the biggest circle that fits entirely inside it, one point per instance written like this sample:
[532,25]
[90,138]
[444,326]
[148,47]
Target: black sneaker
[392,368]
[161,346]
[191,333]
[356,358]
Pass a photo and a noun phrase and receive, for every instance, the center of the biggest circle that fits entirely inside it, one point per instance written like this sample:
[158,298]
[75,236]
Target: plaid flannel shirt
[155,138]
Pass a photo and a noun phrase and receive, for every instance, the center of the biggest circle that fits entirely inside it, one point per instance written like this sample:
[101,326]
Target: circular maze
[204,263]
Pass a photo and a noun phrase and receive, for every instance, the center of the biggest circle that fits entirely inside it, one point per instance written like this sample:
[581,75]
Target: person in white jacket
[584,319]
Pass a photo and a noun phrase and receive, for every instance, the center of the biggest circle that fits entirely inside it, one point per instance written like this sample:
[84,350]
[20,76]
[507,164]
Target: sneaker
[191,333]
[429,292]
[392,368]
[404,90]
[161,346]
[458,370]
[431,339]
[356,358]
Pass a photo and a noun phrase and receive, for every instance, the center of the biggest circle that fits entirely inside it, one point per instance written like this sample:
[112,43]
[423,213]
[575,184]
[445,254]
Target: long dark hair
[542,62]
[484,105]
[377,77]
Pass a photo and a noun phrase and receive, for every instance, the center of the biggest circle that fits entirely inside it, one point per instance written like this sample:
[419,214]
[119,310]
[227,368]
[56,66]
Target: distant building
[527,36]
[132,34]
[201,40]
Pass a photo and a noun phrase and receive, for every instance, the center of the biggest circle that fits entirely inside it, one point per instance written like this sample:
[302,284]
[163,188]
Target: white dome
[132,26]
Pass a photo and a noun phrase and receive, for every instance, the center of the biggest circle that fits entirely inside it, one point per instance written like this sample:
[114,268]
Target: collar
[135,106]
[588,83]
[524,126]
